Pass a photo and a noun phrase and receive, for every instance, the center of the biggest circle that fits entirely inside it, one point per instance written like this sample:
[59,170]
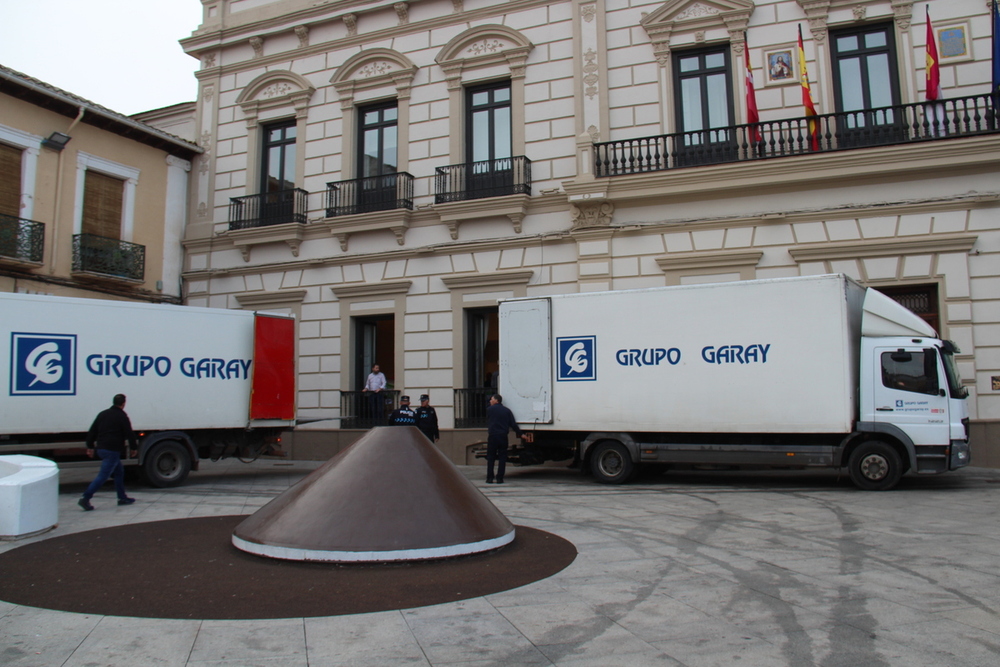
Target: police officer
[427,419]
[404,416]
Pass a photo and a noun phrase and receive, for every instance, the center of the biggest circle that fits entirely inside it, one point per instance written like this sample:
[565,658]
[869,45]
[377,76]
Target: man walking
[109,431]
[427,419]
[499,421]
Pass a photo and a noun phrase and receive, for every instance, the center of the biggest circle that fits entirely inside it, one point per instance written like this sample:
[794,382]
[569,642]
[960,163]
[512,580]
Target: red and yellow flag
[753,117]
[807,100]
[933,91]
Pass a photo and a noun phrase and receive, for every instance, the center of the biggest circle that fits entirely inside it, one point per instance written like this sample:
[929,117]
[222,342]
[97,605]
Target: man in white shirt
[373,387]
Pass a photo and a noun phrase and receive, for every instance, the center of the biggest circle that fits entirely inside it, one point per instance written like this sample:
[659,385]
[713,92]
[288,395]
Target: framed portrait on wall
[781,66]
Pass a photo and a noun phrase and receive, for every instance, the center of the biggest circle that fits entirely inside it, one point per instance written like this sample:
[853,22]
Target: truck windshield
[955,388]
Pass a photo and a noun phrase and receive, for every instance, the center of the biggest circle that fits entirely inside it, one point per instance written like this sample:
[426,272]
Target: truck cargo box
[182,368]
[763,356]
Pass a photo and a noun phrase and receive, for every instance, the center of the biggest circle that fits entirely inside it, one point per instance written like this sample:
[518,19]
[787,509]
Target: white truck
[784,373]
[200,382]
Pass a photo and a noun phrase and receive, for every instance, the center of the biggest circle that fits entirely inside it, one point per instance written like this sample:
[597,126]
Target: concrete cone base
[391,496]
[288,553]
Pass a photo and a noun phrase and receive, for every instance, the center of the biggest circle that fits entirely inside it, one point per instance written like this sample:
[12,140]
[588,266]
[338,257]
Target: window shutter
[102,205]
[10,180]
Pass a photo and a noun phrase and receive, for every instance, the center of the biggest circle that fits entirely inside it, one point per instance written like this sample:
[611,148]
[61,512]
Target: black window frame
[267,144]
[865,125]
[716,143]
[471,109]
[380,126]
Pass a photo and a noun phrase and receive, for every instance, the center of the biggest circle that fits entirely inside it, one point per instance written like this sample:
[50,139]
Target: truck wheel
[611,463]
[167,464]
[875,466]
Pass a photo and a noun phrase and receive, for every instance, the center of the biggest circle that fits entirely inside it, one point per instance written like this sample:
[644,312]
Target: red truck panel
[273,387]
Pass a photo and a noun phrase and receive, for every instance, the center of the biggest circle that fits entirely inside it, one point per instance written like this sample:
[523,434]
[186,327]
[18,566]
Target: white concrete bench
[29,496]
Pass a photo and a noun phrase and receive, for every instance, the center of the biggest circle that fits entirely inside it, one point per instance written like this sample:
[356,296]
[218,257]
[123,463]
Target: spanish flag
[807,100]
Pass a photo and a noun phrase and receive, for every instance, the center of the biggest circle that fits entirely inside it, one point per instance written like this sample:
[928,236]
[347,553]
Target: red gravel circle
[188,568]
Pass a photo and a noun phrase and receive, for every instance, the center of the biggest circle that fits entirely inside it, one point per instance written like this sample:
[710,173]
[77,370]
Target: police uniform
[404,416]
[427,420]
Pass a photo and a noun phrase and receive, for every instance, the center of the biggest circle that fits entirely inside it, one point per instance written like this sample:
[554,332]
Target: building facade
[92,203]
[387,171]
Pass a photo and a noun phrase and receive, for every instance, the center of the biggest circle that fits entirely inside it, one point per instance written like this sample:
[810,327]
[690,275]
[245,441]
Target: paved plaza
[678,569]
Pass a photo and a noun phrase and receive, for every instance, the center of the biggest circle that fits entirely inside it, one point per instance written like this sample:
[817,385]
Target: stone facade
[891,214]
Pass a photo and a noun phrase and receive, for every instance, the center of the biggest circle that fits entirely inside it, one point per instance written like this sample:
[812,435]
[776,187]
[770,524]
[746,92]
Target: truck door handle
[883,410]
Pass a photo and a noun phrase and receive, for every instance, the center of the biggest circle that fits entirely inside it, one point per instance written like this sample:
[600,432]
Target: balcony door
[490,168]
[377,158]
[278,174]
[865,83]
[704,107]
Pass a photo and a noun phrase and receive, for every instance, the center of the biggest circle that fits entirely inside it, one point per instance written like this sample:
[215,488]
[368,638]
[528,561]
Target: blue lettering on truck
[42,364]
[735,354]
[234,369]
[130,365]
[650,356]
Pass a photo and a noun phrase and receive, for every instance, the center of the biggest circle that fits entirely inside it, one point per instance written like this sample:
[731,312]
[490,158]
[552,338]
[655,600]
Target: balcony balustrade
[478,180]
[901,124]
[103,256]
[367,195]
[268,208]
[470,406]
[359,409]
[21,240]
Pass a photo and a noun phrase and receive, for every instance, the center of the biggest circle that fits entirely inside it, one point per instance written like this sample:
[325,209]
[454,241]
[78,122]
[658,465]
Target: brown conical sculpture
[390,496]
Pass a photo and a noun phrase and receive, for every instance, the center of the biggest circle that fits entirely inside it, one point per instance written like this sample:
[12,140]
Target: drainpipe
[58,202]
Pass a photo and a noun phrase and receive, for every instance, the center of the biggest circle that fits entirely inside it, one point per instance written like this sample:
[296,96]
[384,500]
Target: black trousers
[496,450]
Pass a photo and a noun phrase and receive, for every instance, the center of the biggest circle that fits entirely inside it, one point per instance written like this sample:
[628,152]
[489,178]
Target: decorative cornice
[245,239]
[687,261]
[487,280]
[275,89]
[924,245]
[319,15]
[342,227]
[367,290]
[270,299]
[373,68]
[514,207]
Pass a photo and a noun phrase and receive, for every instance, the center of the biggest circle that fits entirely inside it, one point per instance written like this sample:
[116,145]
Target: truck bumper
[961,454]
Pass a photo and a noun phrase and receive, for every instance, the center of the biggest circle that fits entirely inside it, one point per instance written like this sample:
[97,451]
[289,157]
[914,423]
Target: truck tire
[167,464]
[611,463]
[875,466]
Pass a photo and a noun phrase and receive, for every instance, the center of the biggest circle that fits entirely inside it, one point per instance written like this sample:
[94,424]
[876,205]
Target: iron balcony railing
[470,406]
[366,195]
[108,257]
[20,239]
[268,208]
[362,409]
[478,180]
[905,123]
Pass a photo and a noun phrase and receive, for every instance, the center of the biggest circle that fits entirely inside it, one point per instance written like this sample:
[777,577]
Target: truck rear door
[526,359]
[273,386]
[911,392]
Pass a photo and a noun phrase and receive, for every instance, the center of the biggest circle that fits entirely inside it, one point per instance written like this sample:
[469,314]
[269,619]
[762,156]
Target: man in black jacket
[404,415]
[499,421]
[427,419]
[109,431]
